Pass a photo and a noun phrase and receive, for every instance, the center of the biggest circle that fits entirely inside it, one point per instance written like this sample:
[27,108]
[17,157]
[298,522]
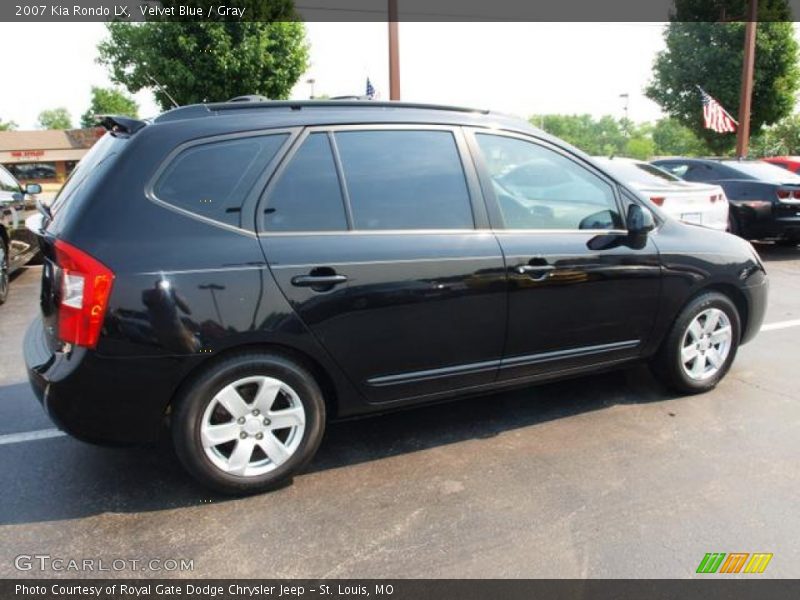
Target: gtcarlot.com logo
[46,562]
[734,562]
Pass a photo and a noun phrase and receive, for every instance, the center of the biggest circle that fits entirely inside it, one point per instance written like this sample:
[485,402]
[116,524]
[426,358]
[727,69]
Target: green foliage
[673,139]
[213,60]
[7,125]
[56,118]
[607,136]
[109,101]
[781,139]
[711,54]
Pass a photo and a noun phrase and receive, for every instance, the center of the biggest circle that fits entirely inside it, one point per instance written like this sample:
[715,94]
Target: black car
[249,271]
[764,199]
[17,245]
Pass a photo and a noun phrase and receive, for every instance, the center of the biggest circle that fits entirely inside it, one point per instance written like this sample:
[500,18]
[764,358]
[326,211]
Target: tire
[266,384]
[716,352]
[4,277]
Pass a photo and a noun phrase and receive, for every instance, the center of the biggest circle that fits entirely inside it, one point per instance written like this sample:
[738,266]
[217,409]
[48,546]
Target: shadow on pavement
[62,478]
[773,253]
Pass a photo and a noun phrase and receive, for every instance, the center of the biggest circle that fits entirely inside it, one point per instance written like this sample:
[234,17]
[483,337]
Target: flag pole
[394,53]
[745,102]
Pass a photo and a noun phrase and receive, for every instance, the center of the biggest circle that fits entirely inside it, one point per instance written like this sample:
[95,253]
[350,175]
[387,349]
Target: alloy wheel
[253,426]
[706,344]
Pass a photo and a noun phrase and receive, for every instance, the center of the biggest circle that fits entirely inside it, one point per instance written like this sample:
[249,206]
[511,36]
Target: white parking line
[781,325]
[30,436]
[43,434]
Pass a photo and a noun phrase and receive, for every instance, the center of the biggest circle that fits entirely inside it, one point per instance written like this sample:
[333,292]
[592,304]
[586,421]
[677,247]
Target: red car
[790,163]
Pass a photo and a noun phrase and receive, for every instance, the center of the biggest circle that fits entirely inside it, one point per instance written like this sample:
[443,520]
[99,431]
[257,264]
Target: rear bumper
[769,221]
[96,399]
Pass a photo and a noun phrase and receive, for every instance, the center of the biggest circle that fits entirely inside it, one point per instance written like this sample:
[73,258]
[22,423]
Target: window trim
[477,207]
[248,223]
[493,207]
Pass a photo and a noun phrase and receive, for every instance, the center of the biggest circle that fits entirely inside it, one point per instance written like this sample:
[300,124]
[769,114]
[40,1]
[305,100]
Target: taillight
[657,200]
[782,193]
[796,194]
[714,198]
[85,288]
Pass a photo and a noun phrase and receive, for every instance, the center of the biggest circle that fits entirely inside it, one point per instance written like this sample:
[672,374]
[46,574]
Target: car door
[377,237]
[581,291]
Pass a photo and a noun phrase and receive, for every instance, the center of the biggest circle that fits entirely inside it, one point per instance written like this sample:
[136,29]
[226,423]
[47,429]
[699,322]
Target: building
[46,156]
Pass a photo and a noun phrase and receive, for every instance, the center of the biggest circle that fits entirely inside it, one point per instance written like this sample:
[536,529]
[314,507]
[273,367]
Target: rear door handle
[318,280]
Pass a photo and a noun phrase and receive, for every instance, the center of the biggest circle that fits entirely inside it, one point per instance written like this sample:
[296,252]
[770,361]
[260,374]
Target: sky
[516,68]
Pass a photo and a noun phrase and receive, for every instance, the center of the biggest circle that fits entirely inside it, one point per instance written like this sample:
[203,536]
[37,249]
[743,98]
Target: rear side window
[7,182]
[307,196]
[213,179]
[401,179]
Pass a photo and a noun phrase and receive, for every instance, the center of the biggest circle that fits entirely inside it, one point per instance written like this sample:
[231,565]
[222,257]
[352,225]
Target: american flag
[714,116]
[370,90]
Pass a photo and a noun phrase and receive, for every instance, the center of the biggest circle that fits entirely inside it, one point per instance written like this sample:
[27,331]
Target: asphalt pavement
[604,476]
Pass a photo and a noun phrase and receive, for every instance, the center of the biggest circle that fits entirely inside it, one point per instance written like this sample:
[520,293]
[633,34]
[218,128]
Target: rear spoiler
[124,125]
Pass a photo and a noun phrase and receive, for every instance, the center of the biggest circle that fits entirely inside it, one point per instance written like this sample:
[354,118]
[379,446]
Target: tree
[605,136]
[783,138]
[56,118]
[7,125]
[210,60]
[109,101]
[699,52]
[673,139]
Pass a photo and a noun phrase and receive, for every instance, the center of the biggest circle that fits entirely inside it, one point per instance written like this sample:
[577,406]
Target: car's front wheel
[248,423]
[701,346]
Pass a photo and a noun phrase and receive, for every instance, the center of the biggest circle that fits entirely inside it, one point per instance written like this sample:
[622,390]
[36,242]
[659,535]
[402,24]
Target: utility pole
[394,53]
[745,102]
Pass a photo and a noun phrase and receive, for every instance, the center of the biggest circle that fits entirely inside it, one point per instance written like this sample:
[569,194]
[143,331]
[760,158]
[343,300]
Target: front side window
[538,188]
[213,179]
[307,195]
[405,179]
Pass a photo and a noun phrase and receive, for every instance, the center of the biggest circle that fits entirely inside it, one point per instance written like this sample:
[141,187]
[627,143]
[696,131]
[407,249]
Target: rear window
[213,179]
[87,169]
[765,172]
[636,172]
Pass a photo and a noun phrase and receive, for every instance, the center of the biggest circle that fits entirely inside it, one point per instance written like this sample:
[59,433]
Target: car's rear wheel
[701,346]
[4,277]
[249,423]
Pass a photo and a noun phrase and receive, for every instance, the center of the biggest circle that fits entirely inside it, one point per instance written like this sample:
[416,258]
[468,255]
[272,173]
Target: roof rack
[247,103]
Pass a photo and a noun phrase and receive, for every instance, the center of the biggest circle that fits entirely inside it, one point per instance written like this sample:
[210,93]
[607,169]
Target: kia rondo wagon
[247,272]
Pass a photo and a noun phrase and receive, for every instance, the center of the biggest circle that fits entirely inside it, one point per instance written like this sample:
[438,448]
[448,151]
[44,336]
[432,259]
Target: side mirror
[33,188]
[639,221]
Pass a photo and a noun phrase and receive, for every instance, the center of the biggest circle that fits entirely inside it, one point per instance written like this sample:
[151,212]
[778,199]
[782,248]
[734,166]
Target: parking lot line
[30,436]
[781,325]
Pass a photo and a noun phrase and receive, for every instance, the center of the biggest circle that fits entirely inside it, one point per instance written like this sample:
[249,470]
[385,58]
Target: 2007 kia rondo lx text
[248,271]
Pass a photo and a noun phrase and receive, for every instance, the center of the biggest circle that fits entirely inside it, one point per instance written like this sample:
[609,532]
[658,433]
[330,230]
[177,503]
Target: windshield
[764,171]
[638,172]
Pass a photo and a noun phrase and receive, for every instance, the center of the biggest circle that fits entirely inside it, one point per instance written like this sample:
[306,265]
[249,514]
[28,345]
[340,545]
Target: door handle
[535,272]
[318,280]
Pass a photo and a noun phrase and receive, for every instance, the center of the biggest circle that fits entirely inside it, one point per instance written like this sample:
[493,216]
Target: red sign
[27,153]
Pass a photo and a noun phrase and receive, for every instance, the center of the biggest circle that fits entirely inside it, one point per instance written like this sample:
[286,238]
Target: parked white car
[698,203]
